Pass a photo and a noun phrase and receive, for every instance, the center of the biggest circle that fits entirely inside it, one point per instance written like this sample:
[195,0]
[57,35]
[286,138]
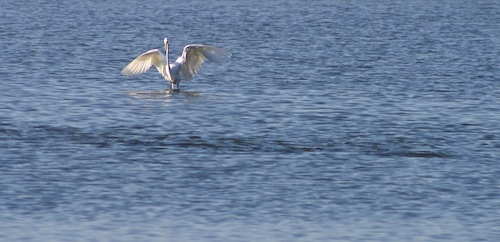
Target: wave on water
[152,139]
[160,94]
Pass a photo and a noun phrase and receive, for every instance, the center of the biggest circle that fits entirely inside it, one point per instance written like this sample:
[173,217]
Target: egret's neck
[166,53]
[168,62]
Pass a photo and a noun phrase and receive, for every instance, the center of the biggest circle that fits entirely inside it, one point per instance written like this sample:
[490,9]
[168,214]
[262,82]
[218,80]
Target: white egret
[185,67]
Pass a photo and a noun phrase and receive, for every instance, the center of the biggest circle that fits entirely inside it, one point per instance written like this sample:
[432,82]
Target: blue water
[333,121]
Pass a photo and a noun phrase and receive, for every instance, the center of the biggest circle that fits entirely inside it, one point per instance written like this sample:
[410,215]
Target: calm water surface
[334,120]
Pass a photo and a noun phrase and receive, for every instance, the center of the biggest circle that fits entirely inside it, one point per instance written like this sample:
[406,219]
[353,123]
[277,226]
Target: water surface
[334,120]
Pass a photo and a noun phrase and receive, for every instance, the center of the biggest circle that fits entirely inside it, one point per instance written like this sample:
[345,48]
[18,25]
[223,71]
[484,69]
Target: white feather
[185,67]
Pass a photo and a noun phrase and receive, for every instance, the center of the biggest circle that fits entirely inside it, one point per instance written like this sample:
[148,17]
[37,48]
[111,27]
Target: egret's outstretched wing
[143,62]
[194,55]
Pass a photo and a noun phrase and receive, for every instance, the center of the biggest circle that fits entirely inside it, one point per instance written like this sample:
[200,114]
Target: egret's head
[165,41]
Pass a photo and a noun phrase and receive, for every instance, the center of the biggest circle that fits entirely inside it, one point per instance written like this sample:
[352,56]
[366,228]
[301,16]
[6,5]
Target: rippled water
[334,120]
